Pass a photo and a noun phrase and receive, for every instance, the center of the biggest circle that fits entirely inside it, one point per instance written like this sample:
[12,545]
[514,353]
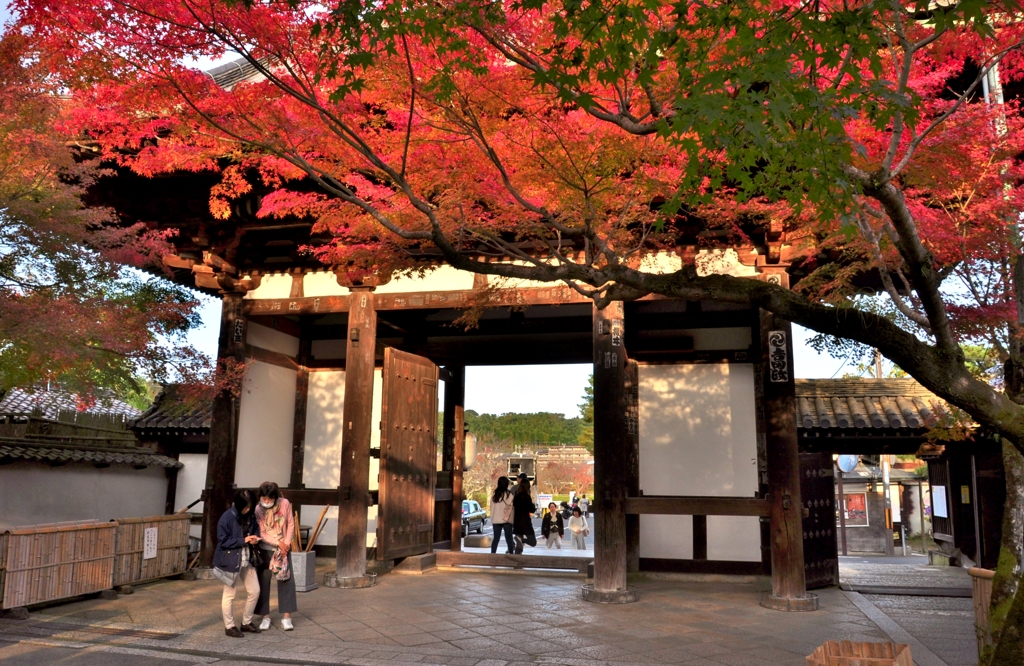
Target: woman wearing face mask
[277,528]
[237,533]
[552,527]
[579,529]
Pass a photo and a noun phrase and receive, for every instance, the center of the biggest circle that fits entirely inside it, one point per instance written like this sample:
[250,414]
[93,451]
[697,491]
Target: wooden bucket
[856,653]
[131,565]
[57,560]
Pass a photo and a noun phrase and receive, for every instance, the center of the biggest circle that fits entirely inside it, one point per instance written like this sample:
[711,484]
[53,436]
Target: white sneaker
[265,624]
[286,624]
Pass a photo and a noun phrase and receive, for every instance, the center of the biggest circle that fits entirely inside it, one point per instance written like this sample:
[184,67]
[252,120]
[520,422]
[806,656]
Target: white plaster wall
[272,286]
[34,492]
[271,339]
[191,481]
[322,283]
[266,425]
[442,278]
[324,444]
[698,437]
[722,262]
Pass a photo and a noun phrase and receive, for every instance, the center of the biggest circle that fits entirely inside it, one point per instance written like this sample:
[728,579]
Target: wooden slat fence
[57,560]
[171,554]
[856,653]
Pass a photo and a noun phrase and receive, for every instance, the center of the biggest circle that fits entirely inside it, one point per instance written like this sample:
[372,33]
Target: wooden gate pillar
[354,479]
[220,469]
[612,443]
[789,589]
[453,443]
[633,466]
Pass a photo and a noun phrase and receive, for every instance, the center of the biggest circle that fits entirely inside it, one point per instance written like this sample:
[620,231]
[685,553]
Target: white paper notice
[939,502]
[149,543]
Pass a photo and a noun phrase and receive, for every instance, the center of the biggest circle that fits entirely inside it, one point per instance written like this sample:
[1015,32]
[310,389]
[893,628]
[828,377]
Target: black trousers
[285,588]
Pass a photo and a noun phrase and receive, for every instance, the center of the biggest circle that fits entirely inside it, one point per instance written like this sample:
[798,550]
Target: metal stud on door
[408,455]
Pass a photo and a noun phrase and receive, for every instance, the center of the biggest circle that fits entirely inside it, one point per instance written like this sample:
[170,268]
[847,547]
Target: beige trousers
[246,576]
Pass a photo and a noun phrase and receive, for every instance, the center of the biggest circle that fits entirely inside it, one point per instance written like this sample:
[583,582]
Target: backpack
[507,510]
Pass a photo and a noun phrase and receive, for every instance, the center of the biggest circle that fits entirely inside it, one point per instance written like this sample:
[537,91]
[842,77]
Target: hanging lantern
[468,450]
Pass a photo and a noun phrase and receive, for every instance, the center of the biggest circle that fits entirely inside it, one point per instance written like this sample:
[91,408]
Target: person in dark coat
[552,528]
[237,534]
[523,509]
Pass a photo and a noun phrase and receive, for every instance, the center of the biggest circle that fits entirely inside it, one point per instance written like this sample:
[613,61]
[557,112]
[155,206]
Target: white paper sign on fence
[149,543]
[939,502]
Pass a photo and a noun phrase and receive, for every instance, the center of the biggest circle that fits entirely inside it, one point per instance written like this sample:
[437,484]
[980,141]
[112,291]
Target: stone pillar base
[627,596]
[808,603]
[351,582]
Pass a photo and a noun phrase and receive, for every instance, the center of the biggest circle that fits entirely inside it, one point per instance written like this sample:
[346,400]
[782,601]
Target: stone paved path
[462,619]
[910,571]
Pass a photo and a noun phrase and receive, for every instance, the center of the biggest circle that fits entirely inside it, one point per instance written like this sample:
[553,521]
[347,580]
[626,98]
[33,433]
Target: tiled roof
[236,71]
[20,450]
[52,401]
[866,403]
[170,412]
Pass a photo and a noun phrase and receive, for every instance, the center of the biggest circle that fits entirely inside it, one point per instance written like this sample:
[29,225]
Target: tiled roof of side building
[172,411]
[866,403]
[52,401]
[22,450]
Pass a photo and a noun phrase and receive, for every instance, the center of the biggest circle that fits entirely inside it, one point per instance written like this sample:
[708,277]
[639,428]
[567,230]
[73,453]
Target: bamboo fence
[171,550]
[57,560]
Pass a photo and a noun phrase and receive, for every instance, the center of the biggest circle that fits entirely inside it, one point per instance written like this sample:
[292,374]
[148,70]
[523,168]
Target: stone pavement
[459,619]
[912,571]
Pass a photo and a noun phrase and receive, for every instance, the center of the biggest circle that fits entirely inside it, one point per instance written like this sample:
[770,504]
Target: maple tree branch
[912,314]
[923,276]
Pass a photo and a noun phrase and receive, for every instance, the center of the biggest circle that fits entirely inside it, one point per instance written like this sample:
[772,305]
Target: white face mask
[267,505]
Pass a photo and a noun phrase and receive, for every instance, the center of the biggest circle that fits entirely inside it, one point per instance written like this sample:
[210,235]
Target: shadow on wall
[698,437]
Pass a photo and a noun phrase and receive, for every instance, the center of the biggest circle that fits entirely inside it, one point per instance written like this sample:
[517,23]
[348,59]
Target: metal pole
[977,519]
[842,512]
[920,512]
[888,505]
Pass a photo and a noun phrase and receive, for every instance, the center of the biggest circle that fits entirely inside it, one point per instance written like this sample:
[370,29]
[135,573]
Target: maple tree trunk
[1006,612]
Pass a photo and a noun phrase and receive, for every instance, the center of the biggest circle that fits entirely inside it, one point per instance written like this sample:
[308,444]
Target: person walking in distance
[584,505]
[502,514]
[277,529]
[523,510]
[237,534]
[552,527]
[578,529]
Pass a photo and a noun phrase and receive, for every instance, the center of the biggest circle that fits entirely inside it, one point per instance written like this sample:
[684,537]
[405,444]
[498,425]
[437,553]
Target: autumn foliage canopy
[577,138]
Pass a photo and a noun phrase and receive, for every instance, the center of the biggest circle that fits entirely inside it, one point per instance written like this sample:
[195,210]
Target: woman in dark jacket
[522,522]
[552,528]
[237,534]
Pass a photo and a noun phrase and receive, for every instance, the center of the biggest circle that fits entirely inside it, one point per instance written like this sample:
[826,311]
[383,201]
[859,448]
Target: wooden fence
[57,560]
[130,565]
[41,563]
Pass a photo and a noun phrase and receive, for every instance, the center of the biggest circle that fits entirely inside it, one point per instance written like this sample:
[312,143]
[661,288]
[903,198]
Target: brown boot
[233,632]
[250,628]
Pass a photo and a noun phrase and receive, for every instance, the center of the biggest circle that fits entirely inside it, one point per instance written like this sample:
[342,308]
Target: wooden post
[220,470]
[453,443]
[633,464]
[357,425]
[789,589]
[612,443]
[301,400]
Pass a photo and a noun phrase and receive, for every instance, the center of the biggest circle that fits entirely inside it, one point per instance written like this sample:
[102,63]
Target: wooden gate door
[408,456]
[817,490]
